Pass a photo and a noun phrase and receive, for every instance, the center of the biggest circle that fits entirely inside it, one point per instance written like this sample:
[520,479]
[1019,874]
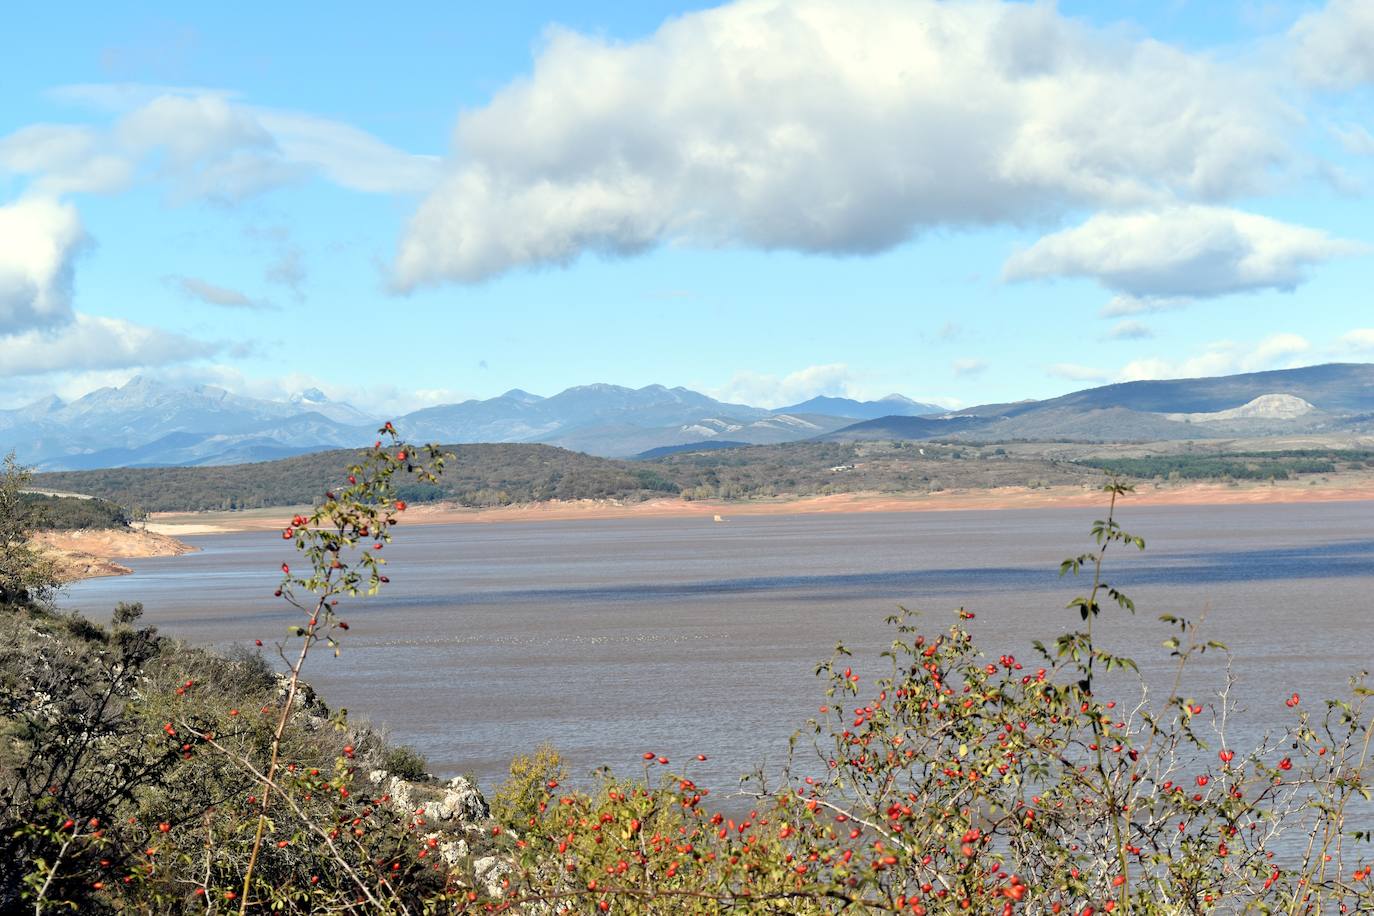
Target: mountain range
[149,423]
[1331,399]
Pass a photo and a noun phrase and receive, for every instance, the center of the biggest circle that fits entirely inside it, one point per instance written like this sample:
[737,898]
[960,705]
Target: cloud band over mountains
[842,128]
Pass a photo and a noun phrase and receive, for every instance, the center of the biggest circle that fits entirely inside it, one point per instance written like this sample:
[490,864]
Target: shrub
[406,762]
[964,782]
[532,777]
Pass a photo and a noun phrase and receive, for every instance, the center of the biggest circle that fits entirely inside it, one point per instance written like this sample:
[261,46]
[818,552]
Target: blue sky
[964,202]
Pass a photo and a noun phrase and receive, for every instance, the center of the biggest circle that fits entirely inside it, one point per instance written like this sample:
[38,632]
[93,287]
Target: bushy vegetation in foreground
[141,777]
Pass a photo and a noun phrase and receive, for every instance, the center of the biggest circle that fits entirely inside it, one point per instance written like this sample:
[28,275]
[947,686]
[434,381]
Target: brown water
[681,636]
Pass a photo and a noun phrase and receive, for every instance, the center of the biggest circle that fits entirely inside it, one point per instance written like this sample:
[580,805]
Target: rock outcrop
[1264,407]
[459,822]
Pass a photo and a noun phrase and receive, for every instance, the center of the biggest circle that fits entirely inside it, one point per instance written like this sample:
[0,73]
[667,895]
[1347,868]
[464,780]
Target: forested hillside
[506,474]
[482,475]
[65,513]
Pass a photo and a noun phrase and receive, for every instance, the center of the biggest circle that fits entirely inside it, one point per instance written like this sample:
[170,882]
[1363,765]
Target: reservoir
[684,636]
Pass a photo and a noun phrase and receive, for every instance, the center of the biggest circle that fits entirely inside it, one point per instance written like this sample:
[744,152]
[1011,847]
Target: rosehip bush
[139,775]
[962,782]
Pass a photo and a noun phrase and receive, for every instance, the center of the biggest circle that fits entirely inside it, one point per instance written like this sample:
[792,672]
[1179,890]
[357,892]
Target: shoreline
[91,553]
[183,524]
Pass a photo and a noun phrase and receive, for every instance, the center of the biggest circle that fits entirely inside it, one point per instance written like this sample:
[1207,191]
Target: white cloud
[1356,140]
[1121,305]
[1222,357]
[1180,250]
[288,269]
[757,388]
[190,130]
[347,156]
[1208,364]
[206,147]
[381,400]
[205,144]
[1078,373]
[209,293]
[1275,349]
[1129,330]
[39,241]
[1333,48]
[1358,339]
[829,126]
[94,343]
[969,367]
[64,158]
[287,265]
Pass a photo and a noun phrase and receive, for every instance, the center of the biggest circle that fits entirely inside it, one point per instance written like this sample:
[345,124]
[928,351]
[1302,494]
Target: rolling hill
[1336,398]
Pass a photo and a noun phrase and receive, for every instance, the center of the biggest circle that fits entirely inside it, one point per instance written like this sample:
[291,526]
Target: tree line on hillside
[481,475]
[505,474]
[1277,465]
[513,473]
[66,513]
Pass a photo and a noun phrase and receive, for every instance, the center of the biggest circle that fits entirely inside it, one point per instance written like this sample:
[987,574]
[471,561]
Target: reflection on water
[611,637]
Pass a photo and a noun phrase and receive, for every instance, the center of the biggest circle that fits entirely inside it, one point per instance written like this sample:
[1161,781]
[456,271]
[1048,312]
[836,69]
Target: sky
[766,200]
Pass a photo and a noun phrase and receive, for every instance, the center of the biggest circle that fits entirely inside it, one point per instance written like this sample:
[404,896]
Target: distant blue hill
[892,405]
[1339,399]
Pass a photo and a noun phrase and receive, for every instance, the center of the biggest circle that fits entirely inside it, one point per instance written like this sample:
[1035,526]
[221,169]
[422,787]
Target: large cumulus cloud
[837,127]
[91,342]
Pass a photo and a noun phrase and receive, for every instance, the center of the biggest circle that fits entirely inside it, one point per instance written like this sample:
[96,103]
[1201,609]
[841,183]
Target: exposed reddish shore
[91,553]
[1199,494]
[86,554]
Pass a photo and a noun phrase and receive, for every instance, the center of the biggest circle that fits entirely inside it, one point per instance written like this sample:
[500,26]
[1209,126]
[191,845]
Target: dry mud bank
[91,553]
